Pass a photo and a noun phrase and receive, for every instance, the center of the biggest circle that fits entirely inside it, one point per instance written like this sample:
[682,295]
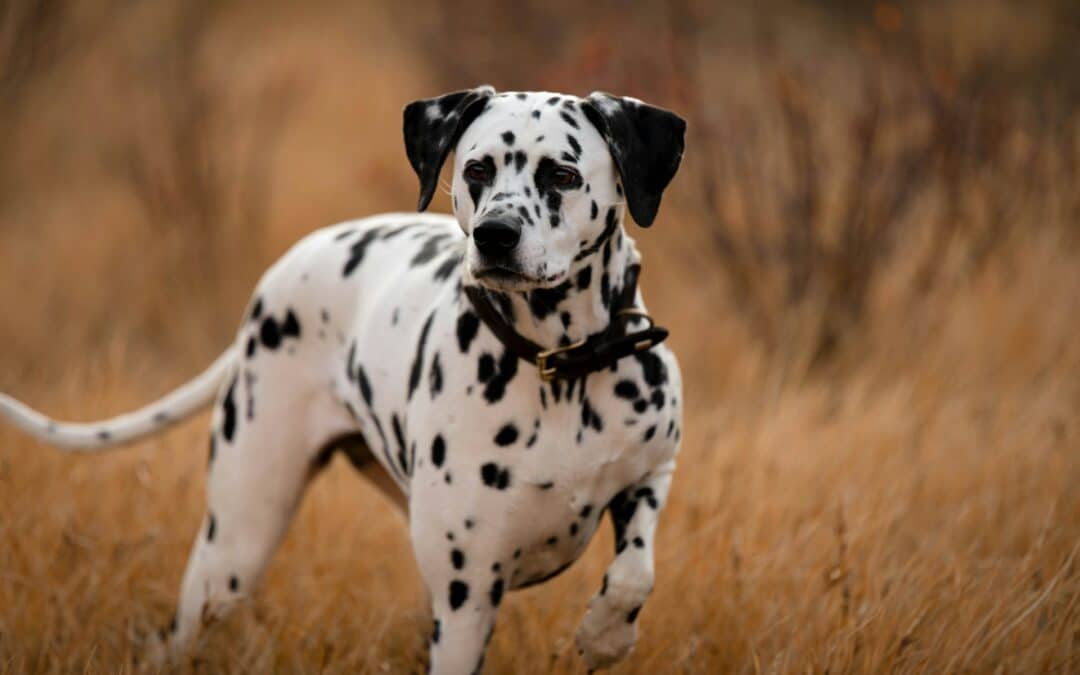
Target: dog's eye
[477,172]
[564,177]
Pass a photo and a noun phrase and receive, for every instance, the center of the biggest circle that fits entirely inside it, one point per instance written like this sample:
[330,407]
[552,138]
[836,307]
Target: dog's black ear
[432,128]
[646,143]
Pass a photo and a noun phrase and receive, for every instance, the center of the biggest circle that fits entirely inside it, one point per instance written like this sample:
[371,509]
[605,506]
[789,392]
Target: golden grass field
[870,265]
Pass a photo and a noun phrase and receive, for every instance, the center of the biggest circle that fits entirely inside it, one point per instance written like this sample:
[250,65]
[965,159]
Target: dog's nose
[496,237]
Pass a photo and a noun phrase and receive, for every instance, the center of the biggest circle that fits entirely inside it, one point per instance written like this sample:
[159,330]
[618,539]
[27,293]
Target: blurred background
[870,263]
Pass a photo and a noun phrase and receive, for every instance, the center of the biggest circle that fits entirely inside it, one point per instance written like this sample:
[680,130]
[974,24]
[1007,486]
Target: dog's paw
[606,635]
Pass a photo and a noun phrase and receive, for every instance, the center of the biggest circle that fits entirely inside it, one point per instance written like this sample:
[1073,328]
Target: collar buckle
[547,372]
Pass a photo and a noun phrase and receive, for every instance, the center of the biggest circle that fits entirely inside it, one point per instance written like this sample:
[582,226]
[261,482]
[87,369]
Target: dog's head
[540,179]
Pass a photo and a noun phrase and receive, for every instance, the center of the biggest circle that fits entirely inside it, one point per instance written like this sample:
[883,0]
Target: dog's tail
[91,436]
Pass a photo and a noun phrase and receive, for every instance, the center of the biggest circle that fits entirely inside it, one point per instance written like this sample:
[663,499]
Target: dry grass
[907,500]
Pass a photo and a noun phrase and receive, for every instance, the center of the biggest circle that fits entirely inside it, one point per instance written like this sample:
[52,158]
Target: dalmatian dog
[494,372]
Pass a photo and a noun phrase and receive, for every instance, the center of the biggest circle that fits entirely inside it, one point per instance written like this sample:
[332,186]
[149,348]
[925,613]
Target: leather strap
[598,351]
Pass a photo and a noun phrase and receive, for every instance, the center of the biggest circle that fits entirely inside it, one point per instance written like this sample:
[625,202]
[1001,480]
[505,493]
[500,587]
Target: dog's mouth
[498,277]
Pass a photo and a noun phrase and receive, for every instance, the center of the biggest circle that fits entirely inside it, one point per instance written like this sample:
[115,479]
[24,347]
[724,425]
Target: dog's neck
[579,307]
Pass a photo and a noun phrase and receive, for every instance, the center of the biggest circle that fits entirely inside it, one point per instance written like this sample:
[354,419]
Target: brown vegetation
[870,265]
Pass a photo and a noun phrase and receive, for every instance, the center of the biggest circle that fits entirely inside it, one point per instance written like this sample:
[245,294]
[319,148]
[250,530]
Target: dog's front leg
[460,637]
[609,629]
[465,588]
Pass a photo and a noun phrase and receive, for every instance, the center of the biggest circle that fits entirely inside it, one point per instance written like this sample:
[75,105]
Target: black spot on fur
[256,311]
[435,632]
[467,325]
[652,367]
[438,451]
[250,351]
[291,326]
[657,398]
[496,592]
[611,223]
[357,251]
[211,528]
[418,360]
[431,248]
[459,593]
[626,389]
[350,362]
[648,495]
[649,433]
[508,137]
[544,301]
[457,558]
[485,367]
[574,145]
[447,267]
[586,510]
[507,435]
[584,278]
[632,616]
[568,119]
[639,542]
[494,476]
[270,334]
[594,211]
[435,379]
[496,385]
[399,435]
[228,407]
[547,485]
[365,385]
[234,584]
[622,509]
[589,416]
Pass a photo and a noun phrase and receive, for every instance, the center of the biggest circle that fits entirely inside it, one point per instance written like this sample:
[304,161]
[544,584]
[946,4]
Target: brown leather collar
[596,352]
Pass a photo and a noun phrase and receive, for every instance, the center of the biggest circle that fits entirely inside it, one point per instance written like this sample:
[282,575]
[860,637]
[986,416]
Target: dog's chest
[531,464]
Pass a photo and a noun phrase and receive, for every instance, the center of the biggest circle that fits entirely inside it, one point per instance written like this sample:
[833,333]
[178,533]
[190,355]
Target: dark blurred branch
[937,139]
[29,42]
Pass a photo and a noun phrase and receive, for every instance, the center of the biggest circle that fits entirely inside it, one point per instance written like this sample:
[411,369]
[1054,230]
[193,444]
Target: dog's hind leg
[260,462]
